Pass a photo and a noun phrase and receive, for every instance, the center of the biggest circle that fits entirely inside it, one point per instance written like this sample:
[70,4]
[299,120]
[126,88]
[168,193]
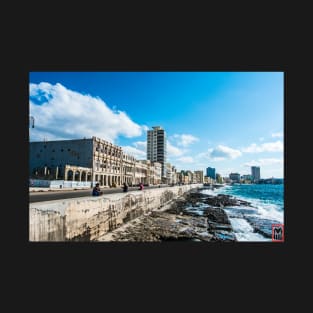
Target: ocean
[254,223]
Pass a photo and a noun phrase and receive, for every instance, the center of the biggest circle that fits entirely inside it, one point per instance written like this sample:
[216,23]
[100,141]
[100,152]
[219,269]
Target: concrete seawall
[88,218]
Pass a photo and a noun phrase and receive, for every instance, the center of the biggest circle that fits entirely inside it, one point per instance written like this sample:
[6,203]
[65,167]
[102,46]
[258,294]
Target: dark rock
[217,226]
[193,217]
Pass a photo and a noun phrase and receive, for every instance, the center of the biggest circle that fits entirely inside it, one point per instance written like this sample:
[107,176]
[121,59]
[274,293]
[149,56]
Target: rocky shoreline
[192,217]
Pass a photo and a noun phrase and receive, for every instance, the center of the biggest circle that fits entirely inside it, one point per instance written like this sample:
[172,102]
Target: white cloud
[61,113]
[279,135]
[223,152]
[186,159]
[203,156]
[271,161]
[252,163]
[138,154]
[145,128]
[173,151]
[142,145]
[185,140]
[264,162]
[265,147]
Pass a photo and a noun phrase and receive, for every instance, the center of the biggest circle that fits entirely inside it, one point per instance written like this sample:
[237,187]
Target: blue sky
[226,120]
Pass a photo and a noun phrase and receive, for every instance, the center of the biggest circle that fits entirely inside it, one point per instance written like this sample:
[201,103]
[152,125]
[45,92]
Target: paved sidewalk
[38,189]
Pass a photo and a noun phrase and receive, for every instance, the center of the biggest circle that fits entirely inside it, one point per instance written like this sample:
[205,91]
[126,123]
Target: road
[58,195]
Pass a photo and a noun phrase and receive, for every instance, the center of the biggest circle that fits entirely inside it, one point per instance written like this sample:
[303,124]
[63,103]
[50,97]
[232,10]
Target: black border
[123,267]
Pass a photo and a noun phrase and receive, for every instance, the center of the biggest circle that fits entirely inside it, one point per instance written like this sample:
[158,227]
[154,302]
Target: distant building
[235,177]
[255,173]
[226,180]
[184,177]
[219,178]
[147,172]
[174,175]
[142,171]
[246,177]
[156,177]
[199,177]
[210,172]
[275,181]
[128,168]
[169,173]
[156,147]
[189,174]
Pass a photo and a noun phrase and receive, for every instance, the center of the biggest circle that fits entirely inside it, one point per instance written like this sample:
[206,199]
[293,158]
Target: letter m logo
[278,232]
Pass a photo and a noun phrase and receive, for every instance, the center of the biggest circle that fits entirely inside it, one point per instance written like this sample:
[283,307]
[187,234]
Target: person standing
[125,187]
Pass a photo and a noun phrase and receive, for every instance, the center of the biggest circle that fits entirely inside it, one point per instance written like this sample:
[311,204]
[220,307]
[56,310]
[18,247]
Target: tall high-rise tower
[156,146]
[210,172]
[255,173]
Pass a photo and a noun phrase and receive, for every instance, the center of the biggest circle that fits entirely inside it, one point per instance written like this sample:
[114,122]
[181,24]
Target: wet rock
[224,236]
[262,226]
[217,226]
[217,215]
[193,217]
[243,203]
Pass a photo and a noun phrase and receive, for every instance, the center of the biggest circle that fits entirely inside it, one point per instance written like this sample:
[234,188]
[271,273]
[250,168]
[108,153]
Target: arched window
[77,174]
[70,175]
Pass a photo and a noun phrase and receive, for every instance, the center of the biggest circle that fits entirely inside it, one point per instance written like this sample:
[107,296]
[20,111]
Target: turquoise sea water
[267,208]
[266,194]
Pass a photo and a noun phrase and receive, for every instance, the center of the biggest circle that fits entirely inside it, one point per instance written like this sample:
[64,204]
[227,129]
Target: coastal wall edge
[88,218]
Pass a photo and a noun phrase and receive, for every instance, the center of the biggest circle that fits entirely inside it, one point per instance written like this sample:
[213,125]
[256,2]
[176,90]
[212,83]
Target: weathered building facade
[91,159]
[142,171]
[128,169]
[96,160]
[156,173]
[198,177]
[148,172]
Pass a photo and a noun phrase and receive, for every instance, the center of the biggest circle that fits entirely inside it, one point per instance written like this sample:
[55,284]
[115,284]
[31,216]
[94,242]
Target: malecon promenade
[156,214]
